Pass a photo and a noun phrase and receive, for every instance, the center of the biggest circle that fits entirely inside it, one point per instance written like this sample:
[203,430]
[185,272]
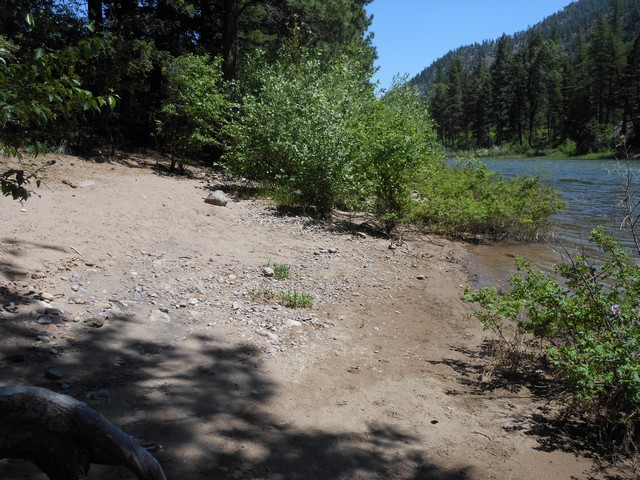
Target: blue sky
[411,34]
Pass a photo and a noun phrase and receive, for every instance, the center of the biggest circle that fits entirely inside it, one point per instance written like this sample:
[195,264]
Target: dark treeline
[544,95]
[140,38]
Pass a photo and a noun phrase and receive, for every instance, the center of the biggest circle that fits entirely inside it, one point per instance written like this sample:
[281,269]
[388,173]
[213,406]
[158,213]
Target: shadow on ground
[206,401]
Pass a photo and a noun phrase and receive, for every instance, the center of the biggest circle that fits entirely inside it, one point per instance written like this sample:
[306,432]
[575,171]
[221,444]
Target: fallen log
[64,436]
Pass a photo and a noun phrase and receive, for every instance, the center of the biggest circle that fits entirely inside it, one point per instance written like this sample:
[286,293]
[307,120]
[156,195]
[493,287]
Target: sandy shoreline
[170,330]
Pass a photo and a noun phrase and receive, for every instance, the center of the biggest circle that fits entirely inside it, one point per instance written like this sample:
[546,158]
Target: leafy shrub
[194,110]
[294,128]
[471,199]
[587,324]
[399,142]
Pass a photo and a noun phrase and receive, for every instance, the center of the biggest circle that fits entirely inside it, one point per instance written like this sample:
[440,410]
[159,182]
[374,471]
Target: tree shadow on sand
[205,400]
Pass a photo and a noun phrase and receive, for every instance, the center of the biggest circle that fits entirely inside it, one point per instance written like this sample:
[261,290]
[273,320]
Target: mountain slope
[579,15]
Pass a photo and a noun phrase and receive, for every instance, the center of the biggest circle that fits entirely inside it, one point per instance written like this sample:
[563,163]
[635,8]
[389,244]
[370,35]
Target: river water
[592,190]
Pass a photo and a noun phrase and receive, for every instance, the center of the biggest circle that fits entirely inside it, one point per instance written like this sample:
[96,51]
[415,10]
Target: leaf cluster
[586,322]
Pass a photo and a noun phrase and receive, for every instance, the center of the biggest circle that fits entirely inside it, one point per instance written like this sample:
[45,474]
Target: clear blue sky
[411,34]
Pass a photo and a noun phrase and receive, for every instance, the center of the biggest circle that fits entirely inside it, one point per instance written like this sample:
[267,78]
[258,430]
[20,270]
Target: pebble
[102,394]
[292,323]
[44,339]
[47,297]
[95,322]
[218,198]
[44,320]
[268,272]
[421,277]
[75,287]
[158,316]
[54,373]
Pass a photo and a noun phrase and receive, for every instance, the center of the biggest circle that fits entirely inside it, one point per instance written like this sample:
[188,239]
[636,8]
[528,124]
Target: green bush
[398,144]
[471,199]
[587,323]
[294,130]
[195,108]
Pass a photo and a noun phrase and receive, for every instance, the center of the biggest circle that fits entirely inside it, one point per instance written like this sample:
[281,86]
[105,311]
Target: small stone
[268,272]
[89,263]
[361,234]
[75,287]
[52,311]
[47,297]
[292,323]
[158,316]
[54,374]
[269,335]
[102,394]
[44,320]
[218,198]
[44,339]
[95,322]
[421,277]
[235,306]
[193,301]
[333,250]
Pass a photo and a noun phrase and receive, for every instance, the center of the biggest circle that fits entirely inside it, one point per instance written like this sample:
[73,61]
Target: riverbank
[165,321]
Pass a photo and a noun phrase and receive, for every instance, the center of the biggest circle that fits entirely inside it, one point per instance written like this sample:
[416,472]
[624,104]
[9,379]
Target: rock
[52,311]
[54,374]
[158,316]
[47,297]
[361,234]
[269,335]
[95,322]
[44,319]
[292,323]
[268,272]
[102,394]
[44,339]
[235,306]
[75,287]
[421,277]
[218,198]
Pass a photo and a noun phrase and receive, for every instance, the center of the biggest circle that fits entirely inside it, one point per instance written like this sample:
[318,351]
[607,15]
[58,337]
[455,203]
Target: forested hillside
[570,83]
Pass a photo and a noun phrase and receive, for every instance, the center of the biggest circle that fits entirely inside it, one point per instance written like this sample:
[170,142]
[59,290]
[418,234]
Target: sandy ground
[167,325]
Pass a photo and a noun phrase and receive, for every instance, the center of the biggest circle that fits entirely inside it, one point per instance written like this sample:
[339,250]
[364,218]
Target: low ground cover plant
[585,322]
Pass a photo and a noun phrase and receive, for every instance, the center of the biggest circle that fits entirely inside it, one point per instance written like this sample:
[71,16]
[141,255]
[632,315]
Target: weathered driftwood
[63,436]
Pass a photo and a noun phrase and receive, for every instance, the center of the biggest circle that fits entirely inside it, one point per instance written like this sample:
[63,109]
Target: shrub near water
[587,324]
[471,199]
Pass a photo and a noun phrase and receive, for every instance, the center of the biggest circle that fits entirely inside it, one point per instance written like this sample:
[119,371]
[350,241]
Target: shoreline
[170,316]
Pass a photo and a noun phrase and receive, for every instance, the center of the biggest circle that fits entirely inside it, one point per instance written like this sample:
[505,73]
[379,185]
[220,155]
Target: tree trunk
[230,38]
[94,8]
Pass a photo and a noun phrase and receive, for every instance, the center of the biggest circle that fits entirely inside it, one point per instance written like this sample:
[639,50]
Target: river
[592,190]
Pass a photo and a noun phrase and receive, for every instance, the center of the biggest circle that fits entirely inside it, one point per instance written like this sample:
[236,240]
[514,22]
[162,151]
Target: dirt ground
[165,322]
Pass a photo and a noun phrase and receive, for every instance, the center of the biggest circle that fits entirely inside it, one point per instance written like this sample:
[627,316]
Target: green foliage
[35,90]
[547,85]
[195,107]
[294,131]
[296,299]
[471,199]
[398,144]
[587,324]
[281,271]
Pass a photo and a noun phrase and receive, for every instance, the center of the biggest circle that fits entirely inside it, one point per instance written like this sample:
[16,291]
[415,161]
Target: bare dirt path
[166,323]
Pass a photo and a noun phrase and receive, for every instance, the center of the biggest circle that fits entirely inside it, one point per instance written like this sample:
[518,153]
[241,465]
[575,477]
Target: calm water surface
[591,189]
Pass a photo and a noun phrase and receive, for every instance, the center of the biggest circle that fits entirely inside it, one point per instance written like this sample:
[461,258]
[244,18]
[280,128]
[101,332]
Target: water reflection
[592,190]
